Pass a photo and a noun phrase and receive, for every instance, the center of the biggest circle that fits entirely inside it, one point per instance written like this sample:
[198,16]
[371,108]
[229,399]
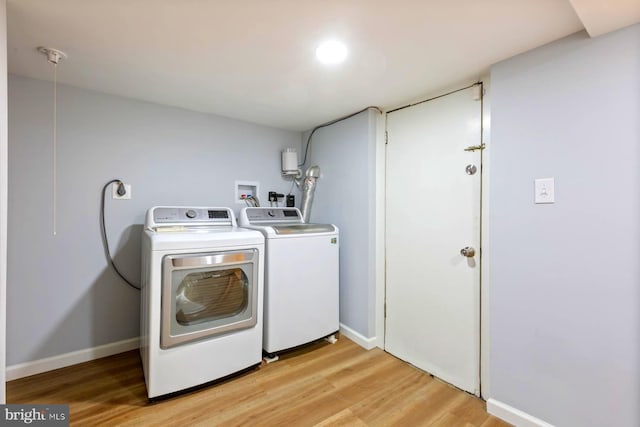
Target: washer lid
[302,228]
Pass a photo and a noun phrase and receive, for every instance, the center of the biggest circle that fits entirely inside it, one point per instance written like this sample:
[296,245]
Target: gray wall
[62,296]
[344,196]
[565,294]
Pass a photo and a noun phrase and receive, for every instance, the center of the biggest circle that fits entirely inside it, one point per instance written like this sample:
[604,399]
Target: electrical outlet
[125,196]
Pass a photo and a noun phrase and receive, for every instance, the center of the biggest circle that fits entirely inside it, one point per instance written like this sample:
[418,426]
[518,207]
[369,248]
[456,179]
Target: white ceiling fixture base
[53,55]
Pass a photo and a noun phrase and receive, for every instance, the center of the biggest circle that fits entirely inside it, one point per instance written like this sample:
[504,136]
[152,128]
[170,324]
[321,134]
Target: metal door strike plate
[475,147]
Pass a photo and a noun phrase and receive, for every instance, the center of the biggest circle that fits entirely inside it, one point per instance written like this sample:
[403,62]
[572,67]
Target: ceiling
[254,59]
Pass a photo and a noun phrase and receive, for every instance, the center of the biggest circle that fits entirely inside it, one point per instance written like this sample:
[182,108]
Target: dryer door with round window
[208,294]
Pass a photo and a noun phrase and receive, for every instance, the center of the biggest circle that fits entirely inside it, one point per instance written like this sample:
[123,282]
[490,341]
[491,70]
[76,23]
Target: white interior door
[433,211]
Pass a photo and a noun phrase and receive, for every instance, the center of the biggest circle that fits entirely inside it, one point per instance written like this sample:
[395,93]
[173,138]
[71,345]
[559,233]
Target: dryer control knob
[191,213]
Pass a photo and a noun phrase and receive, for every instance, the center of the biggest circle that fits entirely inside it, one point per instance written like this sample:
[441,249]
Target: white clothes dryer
[201,302]
[301,277]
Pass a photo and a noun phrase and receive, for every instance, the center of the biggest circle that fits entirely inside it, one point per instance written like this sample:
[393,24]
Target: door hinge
[478,92]
[386,137]
[475,147]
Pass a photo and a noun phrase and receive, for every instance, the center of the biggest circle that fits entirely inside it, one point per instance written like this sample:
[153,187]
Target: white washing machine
[201,302]
[301,277]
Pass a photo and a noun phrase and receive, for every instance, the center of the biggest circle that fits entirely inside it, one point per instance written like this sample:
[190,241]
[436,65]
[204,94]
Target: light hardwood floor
[321,385]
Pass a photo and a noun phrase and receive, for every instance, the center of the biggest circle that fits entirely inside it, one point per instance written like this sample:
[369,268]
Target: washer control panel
[262,215]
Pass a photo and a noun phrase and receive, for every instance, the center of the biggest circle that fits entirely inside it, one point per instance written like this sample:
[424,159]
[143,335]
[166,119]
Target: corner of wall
[356,337]
[3,195]
[380,210]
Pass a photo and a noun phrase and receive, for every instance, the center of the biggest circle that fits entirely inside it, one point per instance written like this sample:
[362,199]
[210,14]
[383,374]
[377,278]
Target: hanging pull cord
[54,56]
[105,241]
[55,149]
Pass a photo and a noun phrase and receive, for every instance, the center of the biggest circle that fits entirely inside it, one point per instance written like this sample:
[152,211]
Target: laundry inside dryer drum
[210,295]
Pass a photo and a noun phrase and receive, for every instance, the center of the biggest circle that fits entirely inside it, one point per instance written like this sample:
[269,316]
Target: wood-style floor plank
[321,385]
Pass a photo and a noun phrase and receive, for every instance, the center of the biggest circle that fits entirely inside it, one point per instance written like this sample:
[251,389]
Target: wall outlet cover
[115,195]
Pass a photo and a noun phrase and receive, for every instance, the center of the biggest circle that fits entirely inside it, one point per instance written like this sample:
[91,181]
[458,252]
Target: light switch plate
[544,190]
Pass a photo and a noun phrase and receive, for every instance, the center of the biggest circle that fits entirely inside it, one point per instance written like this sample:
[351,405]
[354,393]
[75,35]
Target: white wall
[346,196]
[63,296]
[3,193]
[565,294]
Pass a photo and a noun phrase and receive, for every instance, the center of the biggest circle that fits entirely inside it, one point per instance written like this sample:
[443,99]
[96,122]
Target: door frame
[380,232]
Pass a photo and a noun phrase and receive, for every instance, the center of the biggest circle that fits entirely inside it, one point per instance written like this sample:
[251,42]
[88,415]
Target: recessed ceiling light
[331,52]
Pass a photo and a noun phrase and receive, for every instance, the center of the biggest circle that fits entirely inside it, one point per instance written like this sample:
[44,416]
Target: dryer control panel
[186,216]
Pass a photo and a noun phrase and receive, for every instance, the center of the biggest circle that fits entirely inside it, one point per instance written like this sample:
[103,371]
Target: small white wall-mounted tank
[289,161]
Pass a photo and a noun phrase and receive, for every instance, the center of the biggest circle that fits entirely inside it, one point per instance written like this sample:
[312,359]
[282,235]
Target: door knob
[468,251]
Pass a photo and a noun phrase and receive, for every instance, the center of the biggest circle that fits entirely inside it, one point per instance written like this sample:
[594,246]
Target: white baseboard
[362,341]
[63,360]
[513,416]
